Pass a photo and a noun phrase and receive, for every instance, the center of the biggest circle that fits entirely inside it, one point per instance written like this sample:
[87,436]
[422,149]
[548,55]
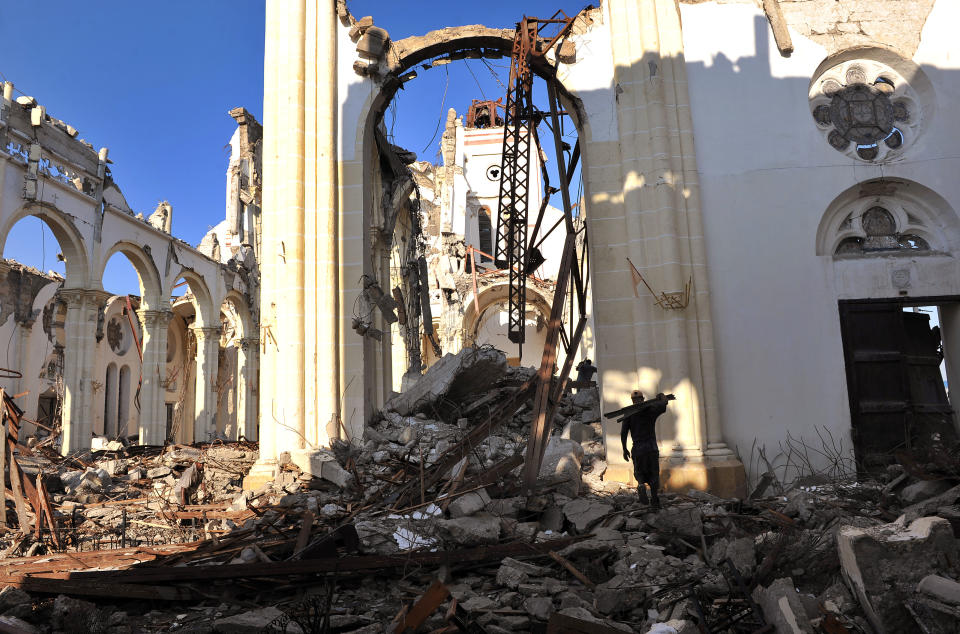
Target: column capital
[73,297]
[154,318]
[245,343]
[99,297]
[205,333]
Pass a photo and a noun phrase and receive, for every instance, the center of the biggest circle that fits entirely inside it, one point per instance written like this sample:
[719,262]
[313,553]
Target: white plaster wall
[767,177]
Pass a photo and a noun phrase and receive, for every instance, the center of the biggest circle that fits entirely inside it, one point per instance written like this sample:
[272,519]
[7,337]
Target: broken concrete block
[252,622]
[13,624]
[513,573]
[453,376]
[469,503]
[539,608]
[783,608]
[11,596]
[158,472]
[935,586]
[581,513]
[561,462]
[472,531]
[683,521]
[883,564]
[321,463]
[70,614]
[923,490]
[577,432]
[930,505]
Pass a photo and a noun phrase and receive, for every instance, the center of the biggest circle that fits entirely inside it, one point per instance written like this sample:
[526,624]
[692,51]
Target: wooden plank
[314,566]
[560,559]
[563,624]
[3,459]
[101,589]
[303,537]
[22,518]
[781,34]
[47,511]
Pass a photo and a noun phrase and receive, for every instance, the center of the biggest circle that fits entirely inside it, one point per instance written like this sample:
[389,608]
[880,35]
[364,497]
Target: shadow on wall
[732,84]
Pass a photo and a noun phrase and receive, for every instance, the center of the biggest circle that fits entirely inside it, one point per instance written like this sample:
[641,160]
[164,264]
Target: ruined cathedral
[765,243]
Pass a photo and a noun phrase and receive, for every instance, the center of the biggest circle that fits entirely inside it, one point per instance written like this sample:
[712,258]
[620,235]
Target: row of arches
[155,289]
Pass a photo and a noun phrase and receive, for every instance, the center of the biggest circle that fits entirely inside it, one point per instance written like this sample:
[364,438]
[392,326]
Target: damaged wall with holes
[165,364]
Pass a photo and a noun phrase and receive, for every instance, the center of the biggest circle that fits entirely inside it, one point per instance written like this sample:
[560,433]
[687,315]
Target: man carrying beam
[639,421]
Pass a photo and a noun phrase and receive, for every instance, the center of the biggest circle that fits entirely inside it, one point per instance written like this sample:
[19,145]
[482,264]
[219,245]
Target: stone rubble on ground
[874,555]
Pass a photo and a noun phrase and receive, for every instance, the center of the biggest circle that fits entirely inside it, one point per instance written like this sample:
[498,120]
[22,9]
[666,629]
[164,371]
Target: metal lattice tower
[511,245]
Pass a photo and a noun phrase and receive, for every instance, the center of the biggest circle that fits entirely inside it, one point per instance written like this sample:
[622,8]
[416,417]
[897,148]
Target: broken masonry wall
[47,172]
[768,179]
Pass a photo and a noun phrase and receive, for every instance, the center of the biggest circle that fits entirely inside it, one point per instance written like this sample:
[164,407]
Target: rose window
[865,109]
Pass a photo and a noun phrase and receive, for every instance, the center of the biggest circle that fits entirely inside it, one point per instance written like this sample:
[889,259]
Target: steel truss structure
[517,248]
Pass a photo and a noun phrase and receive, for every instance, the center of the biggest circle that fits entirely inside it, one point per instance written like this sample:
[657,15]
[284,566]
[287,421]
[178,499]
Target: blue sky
[154,81]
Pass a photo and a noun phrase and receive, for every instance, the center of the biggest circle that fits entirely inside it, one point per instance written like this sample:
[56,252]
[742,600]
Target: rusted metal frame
[539,426]
[551,230]
[564,375]
[507,177]
[561,167]
[427,604]
[567,23]
[574,160]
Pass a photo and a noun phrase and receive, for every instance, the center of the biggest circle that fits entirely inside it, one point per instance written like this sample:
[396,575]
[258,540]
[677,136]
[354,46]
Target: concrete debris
[470,370]
[883,564]
[783,608]
[431,495]
[253,622]
[582,513]
[940,588]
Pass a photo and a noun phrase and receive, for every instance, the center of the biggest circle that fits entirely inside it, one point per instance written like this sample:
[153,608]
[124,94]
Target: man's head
[636,396]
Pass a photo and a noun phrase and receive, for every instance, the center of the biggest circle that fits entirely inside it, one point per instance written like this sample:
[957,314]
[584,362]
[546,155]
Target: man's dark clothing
[641,426]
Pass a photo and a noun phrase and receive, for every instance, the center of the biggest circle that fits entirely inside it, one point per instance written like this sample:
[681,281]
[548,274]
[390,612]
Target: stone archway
[368,178]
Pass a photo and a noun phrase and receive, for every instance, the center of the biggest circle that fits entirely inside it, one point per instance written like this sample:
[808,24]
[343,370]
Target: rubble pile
[423,527]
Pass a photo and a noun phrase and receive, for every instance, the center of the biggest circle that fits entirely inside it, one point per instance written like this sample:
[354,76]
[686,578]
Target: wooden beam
[781,34]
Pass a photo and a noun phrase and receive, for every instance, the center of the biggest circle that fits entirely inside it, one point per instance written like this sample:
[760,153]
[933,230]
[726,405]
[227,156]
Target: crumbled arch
[69,238]
[202,300]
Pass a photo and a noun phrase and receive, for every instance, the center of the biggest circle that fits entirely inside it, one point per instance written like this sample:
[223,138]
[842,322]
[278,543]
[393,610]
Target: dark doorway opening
[898,398]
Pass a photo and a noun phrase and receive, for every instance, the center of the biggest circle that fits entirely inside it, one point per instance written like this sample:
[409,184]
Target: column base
[260,473]
[724,478]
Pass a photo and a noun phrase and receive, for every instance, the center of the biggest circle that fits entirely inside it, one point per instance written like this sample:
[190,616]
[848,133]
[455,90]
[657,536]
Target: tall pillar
[657,224]
[247,370]
[299,385]
[205,393]
[153,411]
[80,329]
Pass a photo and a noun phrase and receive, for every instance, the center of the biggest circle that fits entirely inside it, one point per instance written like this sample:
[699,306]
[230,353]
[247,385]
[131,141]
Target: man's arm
[624,432]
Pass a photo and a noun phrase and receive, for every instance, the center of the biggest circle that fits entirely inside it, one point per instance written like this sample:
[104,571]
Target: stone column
[658,226]
[247,371]
[80,329]
[299,385]
[205,392]
[153,412]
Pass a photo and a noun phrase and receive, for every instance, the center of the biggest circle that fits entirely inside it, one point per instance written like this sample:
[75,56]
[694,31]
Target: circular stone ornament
[865,109]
